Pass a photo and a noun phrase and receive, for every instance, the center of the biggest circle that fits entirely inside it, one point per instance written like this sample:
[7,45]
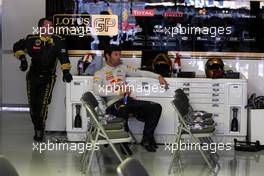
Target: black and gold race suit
[45,53]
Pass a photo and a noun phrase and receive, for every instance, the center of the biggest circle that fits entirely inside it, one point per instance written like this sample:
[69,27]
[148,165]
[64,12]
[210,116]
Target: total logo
[136,12]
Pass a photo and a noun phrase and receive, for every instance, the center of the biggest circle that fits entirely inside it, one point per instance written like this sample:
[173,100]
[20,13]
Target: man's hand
[162,81]
[125,89]
[67,76]
[23,65]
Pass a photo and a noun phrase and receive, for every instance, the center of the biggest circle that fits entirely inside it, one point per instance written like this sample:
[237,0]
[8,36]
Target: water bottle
[125,99]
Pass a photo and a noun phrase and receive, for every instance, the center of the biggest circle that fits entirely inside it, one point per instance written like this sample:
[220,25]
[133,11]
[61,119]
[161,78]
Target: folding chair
[131,167]
[187,128]
[116,120]
[97,133]
[198,116]
[6,168]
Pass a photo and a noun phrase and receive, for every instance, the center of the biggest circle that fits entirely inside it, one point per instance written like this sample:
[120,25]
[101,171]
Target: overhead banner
[217,26]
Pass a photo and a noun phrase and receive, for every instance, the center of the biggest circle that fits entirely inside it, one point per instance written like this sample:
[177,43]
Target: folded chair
[198,131]
[6,168]
[97,133]
[131,167]
[199,117]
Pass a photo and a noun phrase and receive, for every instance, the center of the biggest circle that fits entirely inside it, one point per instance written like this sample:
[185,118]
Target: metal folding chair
[131,167]
[97,133]
[6,168]
[115,120]
[186,129]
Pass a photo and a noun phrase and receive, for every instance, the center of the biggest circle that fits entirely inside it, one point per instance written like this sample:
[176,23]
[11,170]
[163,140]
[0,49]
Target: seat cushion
[114,135]
[209,129]
[113,126]
[116,120]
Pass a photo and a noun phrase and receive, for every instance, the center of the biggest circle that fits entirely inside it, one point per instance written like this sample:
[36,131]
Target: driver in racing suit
[109,82]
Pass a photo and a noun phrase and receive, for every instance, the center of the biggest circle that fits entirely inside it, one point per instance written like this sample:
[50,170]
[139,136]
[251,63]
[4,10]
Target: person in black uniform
[45,51]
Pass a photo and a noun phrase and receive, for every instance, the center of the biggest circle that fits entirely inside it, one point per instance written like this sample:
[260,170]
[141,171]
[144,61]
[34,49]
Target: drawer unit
[211,108]
[204,85]
[218,117]
[153,89]
[217,96]
[203,100]
[206,95]
[202,90]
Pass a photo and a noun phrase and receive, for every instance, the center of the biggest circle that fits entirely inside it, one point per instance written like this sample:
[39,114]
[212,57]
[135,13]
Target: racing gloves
[23,65]
[66,76]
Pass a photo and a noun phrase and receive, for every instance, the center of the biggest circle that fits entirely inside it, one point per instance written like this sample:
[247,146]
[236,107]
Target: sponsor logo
[36,47]
[105,24]
[38,42]
[85,24]
[143,12]
[173,14]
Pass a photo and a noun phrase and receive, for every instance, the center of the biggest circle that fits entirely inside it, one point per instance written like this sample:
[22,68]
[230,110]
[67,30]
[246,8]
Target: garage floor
[17,145]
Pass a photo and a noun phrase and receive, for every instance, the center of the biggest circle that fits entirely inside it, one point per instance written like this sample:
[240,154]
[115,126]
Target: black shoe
[39,135]
[147,144]
[153,142]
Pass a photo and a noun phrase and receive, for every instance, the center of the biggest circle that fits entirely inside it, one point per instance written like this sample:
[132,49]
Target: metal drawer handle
[77,83]
[214,100]
[215,105]
[186,84]
[216,90]
[216,84]
[215,95]
[216,115]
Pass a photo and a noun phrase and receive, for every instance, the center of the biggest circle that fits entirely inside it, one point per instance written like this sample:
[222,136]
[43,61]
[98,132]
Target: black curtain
[59,7]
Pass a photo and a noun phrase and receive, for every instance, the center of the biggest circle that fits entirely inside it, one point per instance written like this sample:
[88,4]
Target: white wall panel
[18,19]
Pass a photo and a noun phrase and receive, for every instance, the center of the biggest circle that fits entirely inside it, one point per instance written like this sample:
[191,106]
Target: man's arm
[100,89]
[130,71]
[62,55]
[19,50]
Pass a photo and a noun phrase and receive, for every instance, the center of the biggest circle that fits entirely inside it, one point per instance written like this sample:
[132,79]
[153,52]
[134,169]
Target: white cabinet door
[77,89]
[235,94]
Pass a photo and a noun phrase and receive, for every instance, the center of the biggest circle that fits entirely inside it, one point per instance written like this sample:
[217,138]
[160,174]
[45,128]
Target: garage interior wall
[1,53]
[19,18]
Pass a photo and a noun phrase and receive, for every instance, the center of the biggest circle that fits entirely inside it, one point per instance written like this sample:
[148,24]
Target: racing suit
[45,53]
[105,81]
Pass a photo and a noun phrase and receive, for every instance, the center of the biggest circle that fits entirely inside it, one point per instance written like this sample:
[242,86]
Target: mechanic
[45,49]
[114,73]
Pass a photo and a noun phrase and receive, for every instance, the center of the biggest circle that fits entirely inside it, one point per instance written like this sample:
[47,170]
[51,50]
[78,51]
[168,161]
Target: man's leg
[32,93]
[149,112]
[45,86]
